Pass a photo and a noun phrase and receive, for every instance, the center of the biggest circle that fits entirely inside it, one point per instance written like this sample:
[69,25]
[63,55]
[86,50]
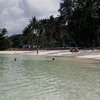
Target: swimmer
[15,59]
[53,58]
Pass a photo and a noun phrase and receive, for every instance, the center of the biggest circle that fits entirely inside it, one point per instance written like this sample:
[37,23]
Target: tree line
[4,39]
[78,25]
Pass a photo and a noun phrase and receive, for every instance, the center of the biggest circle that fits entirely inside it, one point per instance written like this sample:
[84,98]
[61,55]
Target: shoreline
[63,53]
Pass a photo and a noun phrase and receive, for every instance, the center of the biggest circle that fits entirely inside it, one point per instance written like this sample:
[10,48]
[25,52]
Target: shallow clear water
[40,78]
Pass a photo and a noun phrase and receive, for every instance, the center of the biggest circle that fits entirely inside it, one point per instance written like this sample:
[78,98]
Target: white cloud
[16,26]
[42,4]
[15,14]
[15,10]
[5,12]
[47,7]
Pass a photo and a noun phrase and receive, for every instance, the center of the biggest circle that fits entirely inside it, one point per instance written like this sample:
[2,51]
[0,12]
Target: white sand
[41,52]
[82,54]
[90,56]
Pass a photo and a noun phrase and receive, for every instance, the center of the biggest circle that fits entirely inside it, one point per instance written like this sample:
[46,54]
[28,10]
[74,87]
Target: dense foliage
[45,32]
[16,40]
[4,41]
[83,18]
[78,24]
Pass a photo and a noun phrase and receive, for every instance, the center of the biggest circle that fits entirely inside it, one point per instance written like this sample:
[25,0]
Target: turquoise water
[40,78]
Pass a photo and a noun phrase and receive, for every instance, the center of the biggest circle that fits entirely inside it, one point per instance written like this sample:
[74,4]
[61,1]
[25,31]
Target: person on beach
[37,50]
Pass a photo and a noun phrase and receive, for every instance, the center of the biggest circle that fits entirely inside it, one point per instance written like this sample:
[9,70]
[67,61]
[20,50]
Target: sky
[15,14]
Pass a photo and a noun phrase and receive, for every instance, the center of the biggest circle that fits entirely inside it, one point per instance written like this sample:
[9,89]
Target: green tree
[16,40]
[83,17]
[4,40]
[30,32]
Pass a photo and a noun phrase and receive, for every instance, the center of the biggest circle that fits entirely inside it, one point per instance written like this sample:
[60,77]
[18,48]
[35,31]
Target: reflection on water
[40,78]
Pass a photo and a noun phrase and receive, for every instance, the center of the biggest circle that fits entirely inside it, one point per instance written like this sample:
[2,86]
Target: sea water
[41,78]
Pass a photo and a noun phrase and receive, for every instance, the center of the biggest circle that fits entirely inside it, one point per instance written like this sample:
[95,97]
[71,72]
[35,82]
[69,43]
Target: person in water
[15,59]
[53,58]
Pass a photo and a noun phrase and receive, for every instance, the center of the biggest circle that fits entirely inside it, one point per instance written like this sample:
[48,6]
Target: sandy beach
[81,54]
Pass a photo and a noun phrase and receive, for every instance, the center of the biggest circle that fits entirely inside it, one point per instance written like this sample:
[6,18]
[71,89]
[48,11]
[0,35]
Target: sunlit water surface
[40,78]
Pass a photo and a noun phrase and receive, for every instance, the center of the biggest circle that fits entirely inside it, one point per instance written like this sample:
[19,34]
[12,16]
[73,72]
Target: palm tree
[81,16]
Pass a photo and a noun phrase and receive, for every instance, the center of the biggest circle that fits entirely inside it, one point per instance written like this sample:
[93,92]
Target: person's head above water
[53,58]
[15,59]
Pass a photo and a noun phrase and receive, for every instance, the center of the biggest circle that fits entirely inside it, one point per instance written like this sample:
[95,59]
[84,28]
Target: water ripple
[33,78]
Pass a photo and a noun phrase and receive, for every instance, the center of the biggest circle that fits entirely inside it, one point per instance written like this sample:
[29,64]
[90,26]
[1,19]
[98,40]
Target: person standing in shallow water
[37,50]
